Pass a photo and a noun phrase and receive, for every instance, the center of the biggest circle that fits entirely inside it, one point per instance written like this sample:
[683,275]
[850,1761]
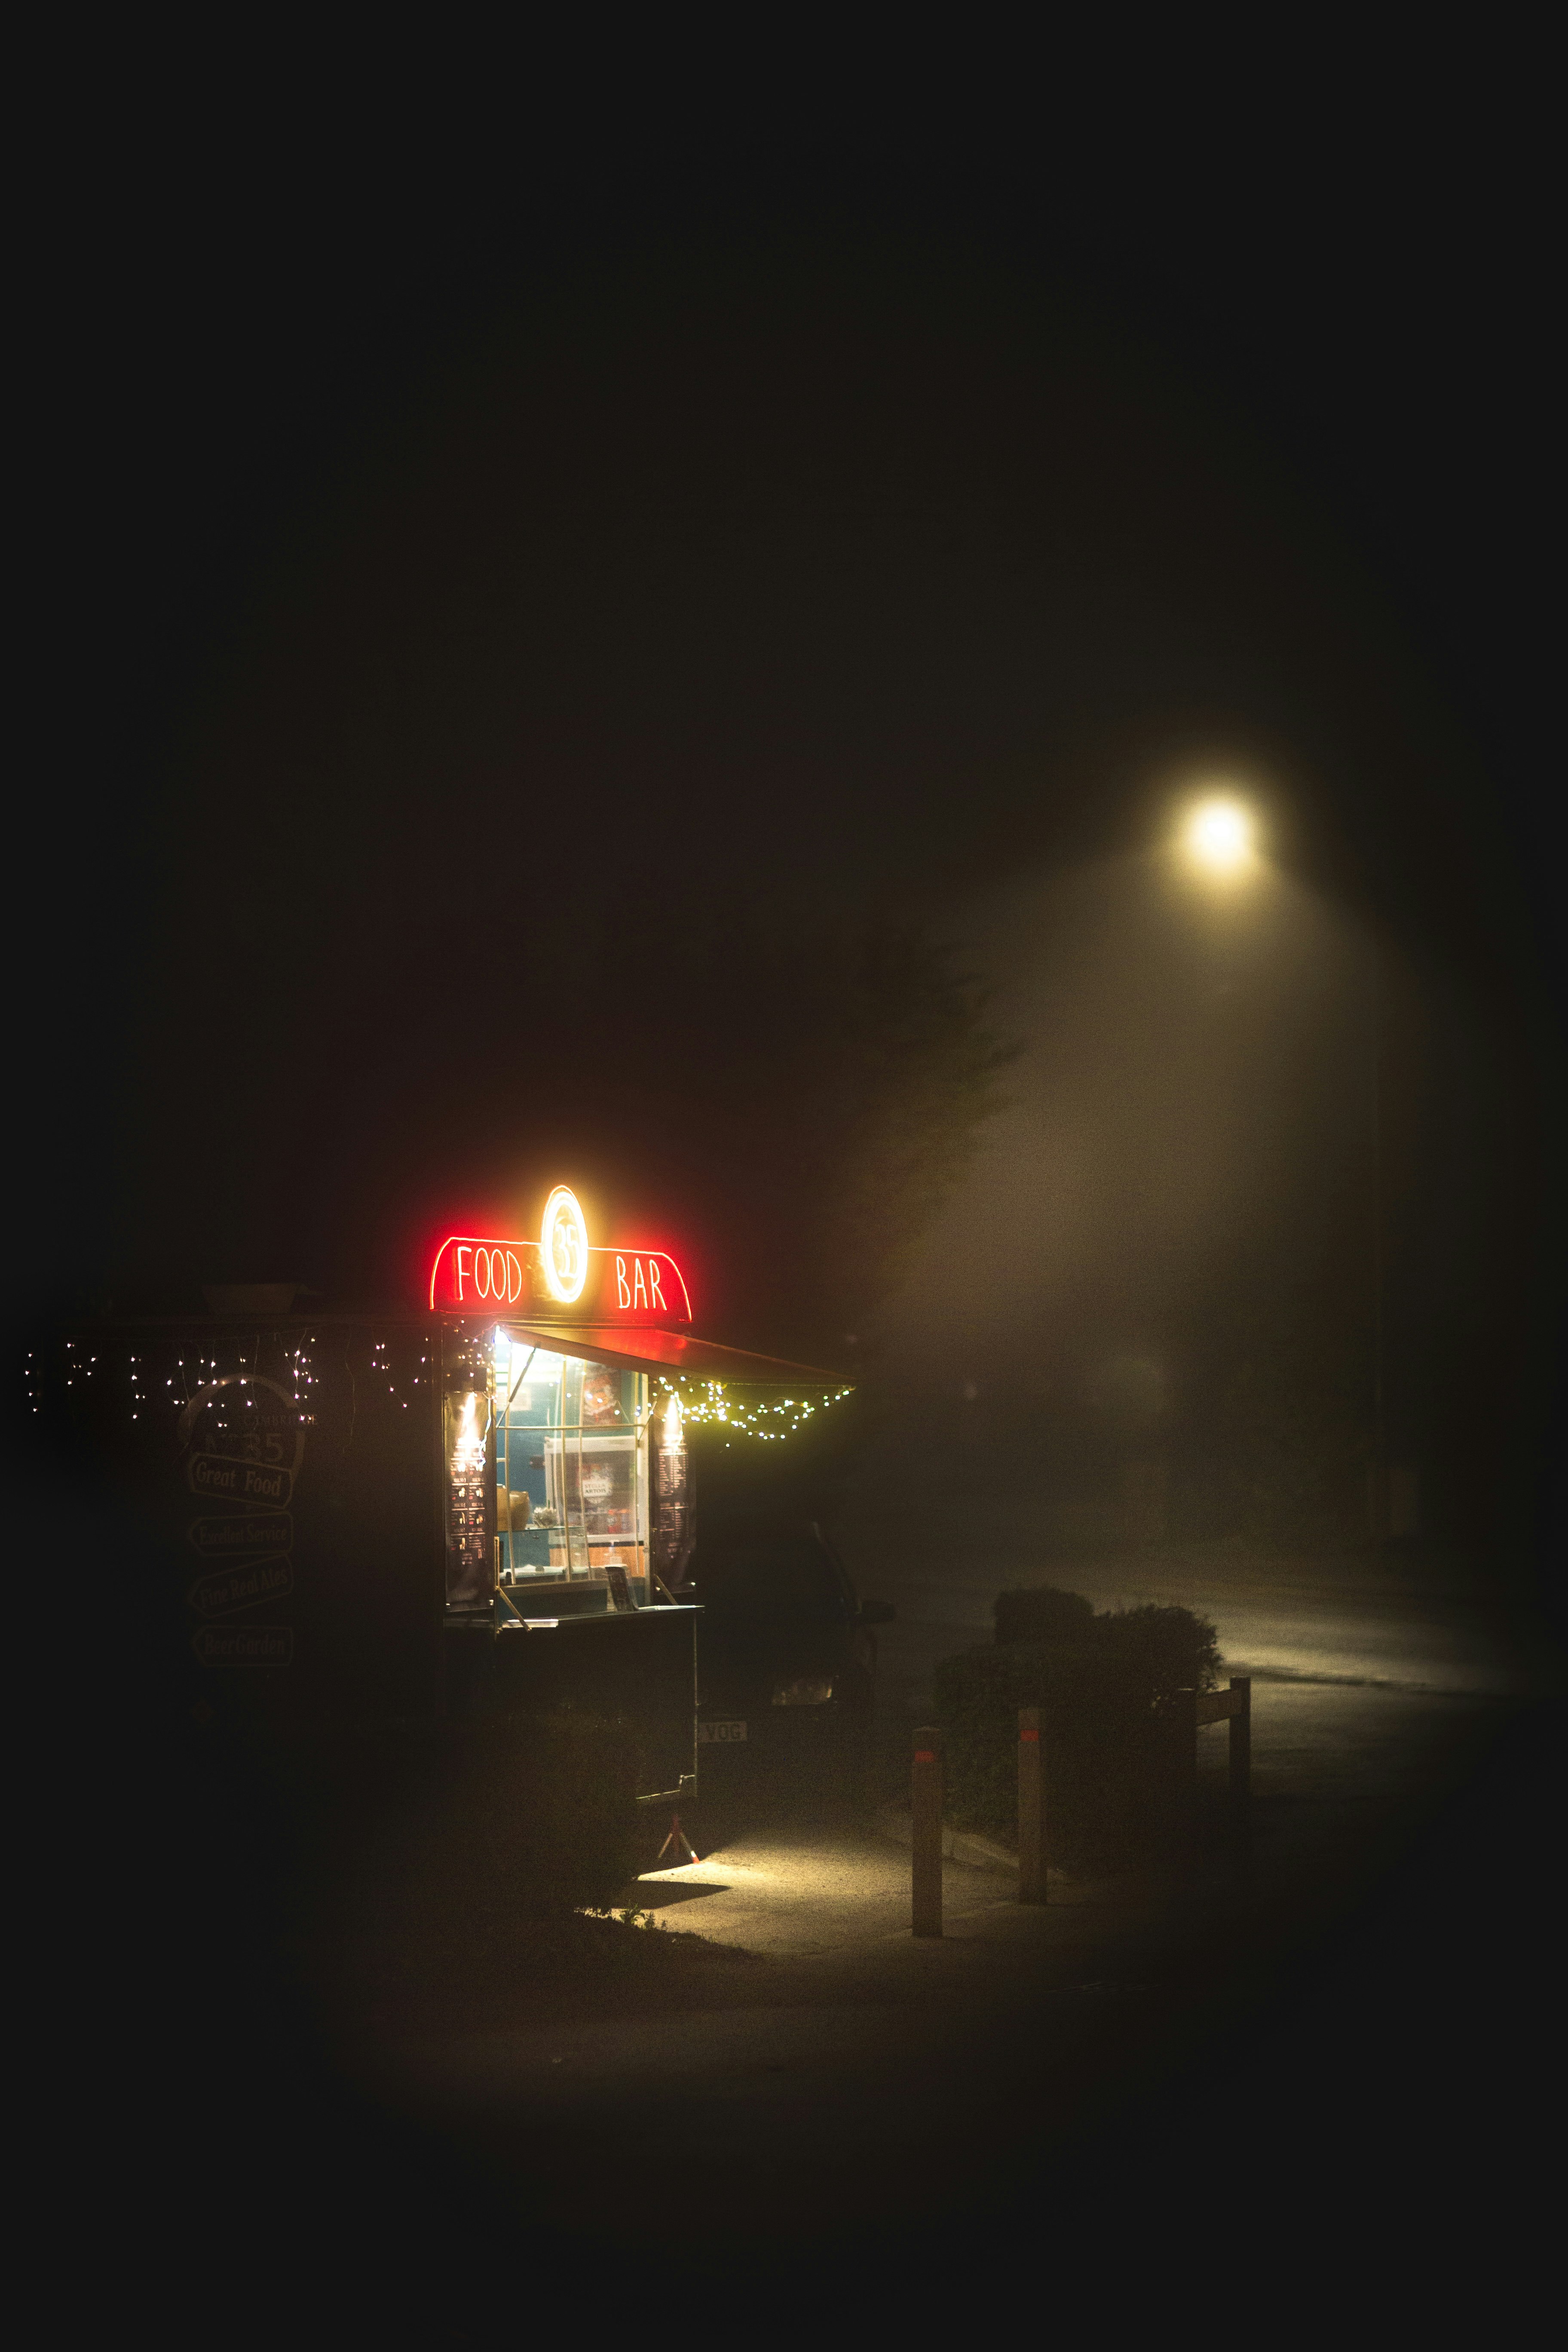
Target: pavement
[1301,2039]
[785,2094]
[790,1892]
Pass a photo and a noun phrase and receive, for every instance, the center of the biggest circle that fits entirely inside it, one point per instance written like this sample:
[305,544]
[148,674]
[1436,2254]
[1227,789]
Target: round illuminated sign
[563,1247]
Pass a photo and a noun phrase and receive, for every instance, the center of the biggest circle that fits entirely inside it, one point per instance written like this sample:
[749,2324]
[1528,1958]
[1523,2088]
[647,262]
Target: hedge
[1104,1682]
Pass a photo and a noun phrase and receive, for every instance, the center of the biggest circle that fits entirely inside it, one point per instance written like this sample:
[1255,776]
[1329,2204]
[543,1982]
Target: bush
[1041,1613]
[1103,1684]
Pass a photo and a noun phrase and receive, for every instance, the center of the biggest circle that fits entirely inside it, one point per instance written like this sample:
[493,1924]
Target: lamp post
[1377,1469]
[1218,839]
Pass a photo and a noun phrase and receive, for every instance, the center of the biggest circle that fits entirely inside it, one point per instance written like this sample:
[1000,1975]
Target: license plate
[719,1735]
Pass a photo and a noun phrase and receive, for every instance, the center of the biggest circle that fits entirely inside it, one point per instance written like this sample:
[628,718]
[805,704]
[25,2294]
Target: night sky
[503,628]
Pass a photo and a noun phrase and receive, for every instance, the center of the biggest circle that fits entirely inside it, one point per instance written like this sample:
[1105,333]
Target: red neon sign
[477,1274]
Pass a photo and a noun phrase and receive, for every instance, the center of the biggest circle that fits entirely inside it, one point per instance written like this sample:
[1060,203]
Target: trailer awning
[641,1350]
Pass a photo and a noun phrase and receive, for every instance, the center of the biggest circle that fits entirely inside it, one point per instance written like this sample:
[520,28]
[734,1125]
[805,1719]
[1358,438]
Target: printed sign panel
[239,1538]
[241,1586]
[217,1478]
[244,1646]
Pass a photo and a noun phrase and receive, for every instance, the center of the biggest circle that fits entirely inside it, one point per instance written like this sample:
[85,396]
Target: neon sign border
[517,1249]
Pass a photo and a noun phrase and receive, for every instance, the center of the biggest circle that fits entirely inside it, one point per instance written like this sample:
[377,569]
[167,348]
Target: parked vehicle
[786,1663]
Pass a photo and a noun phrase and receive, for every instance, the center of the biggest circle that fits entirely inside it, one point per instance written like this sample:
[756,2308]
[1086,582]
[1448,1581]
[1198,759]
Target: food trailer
[483,1500]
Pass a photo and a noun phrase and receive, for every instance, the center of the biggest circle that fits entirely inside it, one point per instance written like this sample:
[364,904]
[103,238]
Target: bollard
[1241,1767]
[1184,1777]
[925,1799]
[1031,1807]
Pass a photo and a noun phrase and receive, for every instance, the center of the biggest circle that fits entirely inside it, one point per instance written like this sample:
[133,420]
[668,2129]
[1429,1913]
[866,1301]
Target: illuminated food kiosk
[484,1500]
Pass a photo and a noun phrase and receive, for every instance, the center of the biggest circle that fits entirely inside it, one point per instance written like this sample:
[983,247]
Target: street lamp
[1218,838]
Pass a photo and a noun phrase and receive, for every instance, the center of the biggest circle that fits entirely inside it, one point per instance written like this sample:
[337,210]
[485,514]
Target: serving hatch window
[571,1478]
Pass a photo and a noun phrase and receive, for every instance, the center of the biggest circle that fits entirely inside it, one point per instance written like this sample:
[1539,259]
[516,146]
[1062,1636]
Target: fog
[1185,1063]
[1185,1192]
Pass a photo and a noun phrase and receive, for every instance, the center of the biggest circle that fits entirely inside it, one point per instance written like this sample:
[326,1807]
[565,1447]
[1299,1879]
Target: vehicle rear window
[786,1576]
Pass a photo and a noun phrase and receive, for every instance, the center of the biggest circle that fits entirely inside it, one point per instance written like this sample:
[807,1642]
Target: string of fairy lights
[238,1375]
[749,1413]
[292,1368]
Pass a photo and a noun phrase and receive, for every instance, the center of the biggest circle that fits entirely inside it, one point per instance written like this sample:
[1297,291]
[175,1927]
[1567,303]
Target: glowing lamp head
[563,1247]
[1218,837]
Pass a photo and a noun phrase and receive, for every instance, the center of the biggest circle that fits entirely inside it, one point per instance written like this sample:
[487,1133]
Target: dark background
[521,611]
[697,528]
